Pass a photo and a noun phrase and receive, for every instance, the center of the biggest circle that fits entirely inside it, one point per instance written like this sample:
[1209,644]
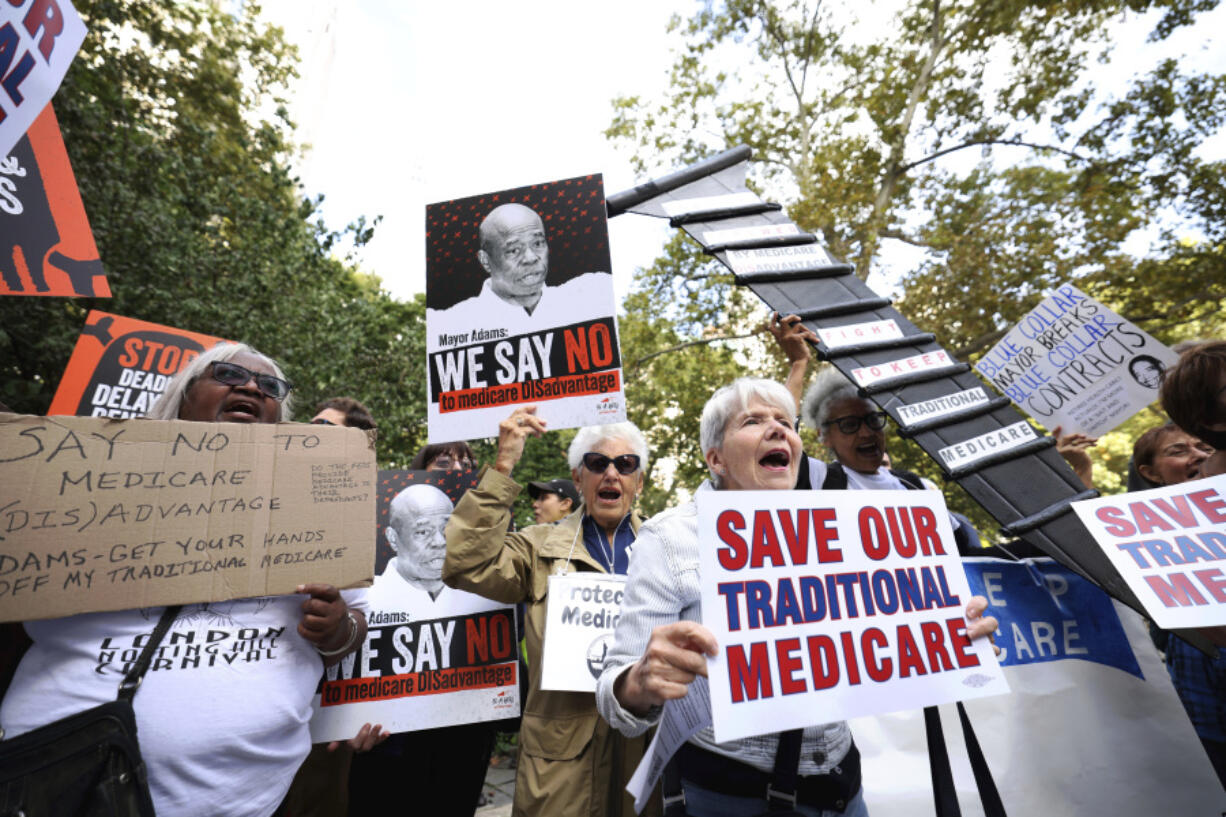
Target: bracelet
[349,642]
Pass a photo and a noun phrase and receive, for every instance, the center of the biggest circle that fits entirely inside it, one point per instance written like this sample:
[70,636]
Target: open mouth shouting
[240,409]
[777,459]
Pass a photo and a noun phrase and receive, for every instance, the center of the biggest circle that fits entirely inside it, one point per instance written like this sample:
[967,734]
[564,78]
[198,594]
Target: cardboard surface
[120,366]
[100,514]
[833,604]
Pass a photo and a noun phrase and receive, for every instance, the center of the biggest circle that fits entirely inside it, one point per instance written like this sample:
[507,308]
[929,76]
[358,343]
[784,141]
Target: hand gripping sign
[831,605]
[582,610]
[1169,544]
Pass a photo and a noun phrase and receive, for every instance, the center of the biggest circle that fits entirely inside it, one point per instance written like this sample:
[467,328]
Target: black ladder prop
[940,403]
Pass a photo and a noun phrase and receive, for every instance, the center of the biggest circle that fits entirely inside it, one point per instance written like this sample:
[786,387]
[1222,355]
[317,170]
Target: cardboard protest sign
[1169,544]
[1072,362]
[38,39]
[581,612]
[120,366]
[46,246]
[113,514]
[433,656]
[521,310]
[833,604]
[1092,724]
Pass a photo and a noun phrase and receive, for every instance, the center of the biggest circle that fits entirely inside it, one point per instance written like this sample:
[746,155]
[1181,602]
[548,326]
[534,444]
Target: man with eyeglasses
[514,252]
[571,761]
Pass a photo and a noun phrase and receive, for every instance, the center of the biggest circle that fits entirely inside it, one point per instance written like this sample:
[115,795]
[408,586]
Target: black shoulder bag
[85,765]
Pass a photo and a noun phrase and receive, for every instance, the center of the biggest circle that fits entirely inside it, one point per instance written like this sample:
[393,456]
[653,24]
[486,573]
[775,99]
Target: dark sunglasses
[319,421]
[850,424]
[231,374]
[625,464]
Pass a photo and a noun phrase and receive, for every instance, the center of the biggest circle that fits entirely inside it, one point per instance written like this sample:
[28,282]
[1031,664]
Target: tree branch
[903,237]
[638,363]
[977,142]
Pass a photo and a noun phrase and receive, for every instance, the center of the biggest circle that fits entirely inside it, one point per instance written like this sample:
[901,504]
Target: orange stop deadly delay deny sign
[46,246]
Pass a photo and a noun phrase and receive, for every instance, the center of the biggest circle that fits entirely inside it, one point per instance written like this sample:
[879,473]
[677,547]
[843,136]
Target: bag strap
[944,794]
[781,791]
[131,681]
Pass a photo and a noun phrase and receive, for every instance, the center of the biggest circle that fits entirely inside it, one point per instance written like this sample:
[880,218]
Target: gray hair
[591,436]
[829,387]
[167,406]
[728,400]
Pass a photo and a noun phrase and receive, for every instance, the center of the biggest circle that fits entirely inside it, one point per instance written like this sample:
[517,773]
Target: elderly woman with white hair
[853,429]
[659,646]
[222,729]
[570,761]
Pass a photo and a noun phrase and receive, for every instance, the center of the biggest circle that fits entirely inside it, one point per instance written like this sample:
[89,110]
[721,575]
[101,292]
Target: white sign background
[1074,738]
[45,54]
[572,647]
[1066,364]
[1178,532]
[412,712]
[975,675]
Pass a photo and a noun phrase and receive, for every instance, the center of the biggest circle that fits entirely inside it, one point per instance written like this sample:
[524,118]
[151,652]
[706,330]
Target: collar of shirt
[597,543]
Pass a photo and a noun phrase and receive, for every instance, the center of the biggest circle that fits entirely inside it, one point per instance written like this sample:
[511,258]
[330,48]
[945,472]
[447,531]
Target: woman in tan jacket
[570,762]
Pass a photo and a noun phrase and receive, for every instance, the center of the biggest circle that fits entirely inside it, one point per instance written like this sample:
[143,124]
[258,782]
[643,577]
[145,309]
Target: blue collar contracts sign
[1048,613]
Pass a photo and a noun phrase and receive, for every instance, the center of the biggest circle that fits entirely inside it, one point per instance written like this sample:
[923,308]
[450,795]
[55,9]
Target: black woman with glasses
[853,430]
[217,736]
[571,762]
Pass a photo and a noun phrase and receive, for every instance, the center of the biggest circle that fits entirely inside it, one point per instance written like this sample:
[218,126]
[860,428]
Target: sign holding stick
[112,514]
[833,605]
[38,39]
[1169,544]
[521,310]
[120,366]
[1072,362]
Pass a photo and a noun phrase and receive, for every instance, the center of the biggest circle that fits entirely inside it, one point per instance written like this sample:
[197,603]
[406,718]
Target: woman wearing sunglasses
[222,726]
[570,762]
[853,429]
[659,646]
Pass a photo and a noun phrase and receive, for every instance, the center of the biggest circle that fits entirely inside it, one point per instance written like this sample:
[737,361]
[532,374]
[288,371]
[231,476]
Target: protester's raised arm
[513,432]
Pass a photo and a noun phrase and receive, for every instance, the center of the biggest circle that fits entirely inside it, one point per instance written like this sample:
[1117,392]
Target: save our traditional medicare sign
[831,605]
[1169,544]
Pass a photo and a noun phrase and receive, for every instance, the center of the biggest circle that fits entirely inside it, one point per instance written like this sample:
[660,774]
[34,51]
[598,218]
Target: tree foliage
[862,122]
[173,116]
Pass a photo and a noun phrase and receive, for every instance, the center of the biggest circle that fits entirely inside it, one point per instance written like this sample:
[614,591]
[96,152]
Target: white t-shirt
[879,480]
[222,713]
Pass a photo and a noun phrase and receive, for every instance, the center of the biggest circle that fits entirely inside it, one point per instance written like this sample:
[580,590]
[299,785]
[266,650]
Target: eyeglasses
[850,424]
[445,462]
[319,421]
[231,374]
[625,464]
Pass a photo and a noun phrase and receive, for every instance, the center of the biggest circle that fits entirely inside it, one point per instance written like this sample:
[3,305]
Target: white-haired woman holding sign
[749,443]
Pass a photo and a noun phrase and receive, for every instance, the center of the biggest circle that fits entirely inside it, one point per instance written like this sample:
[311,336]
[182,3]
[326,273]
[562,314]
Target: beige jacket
[568,754]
